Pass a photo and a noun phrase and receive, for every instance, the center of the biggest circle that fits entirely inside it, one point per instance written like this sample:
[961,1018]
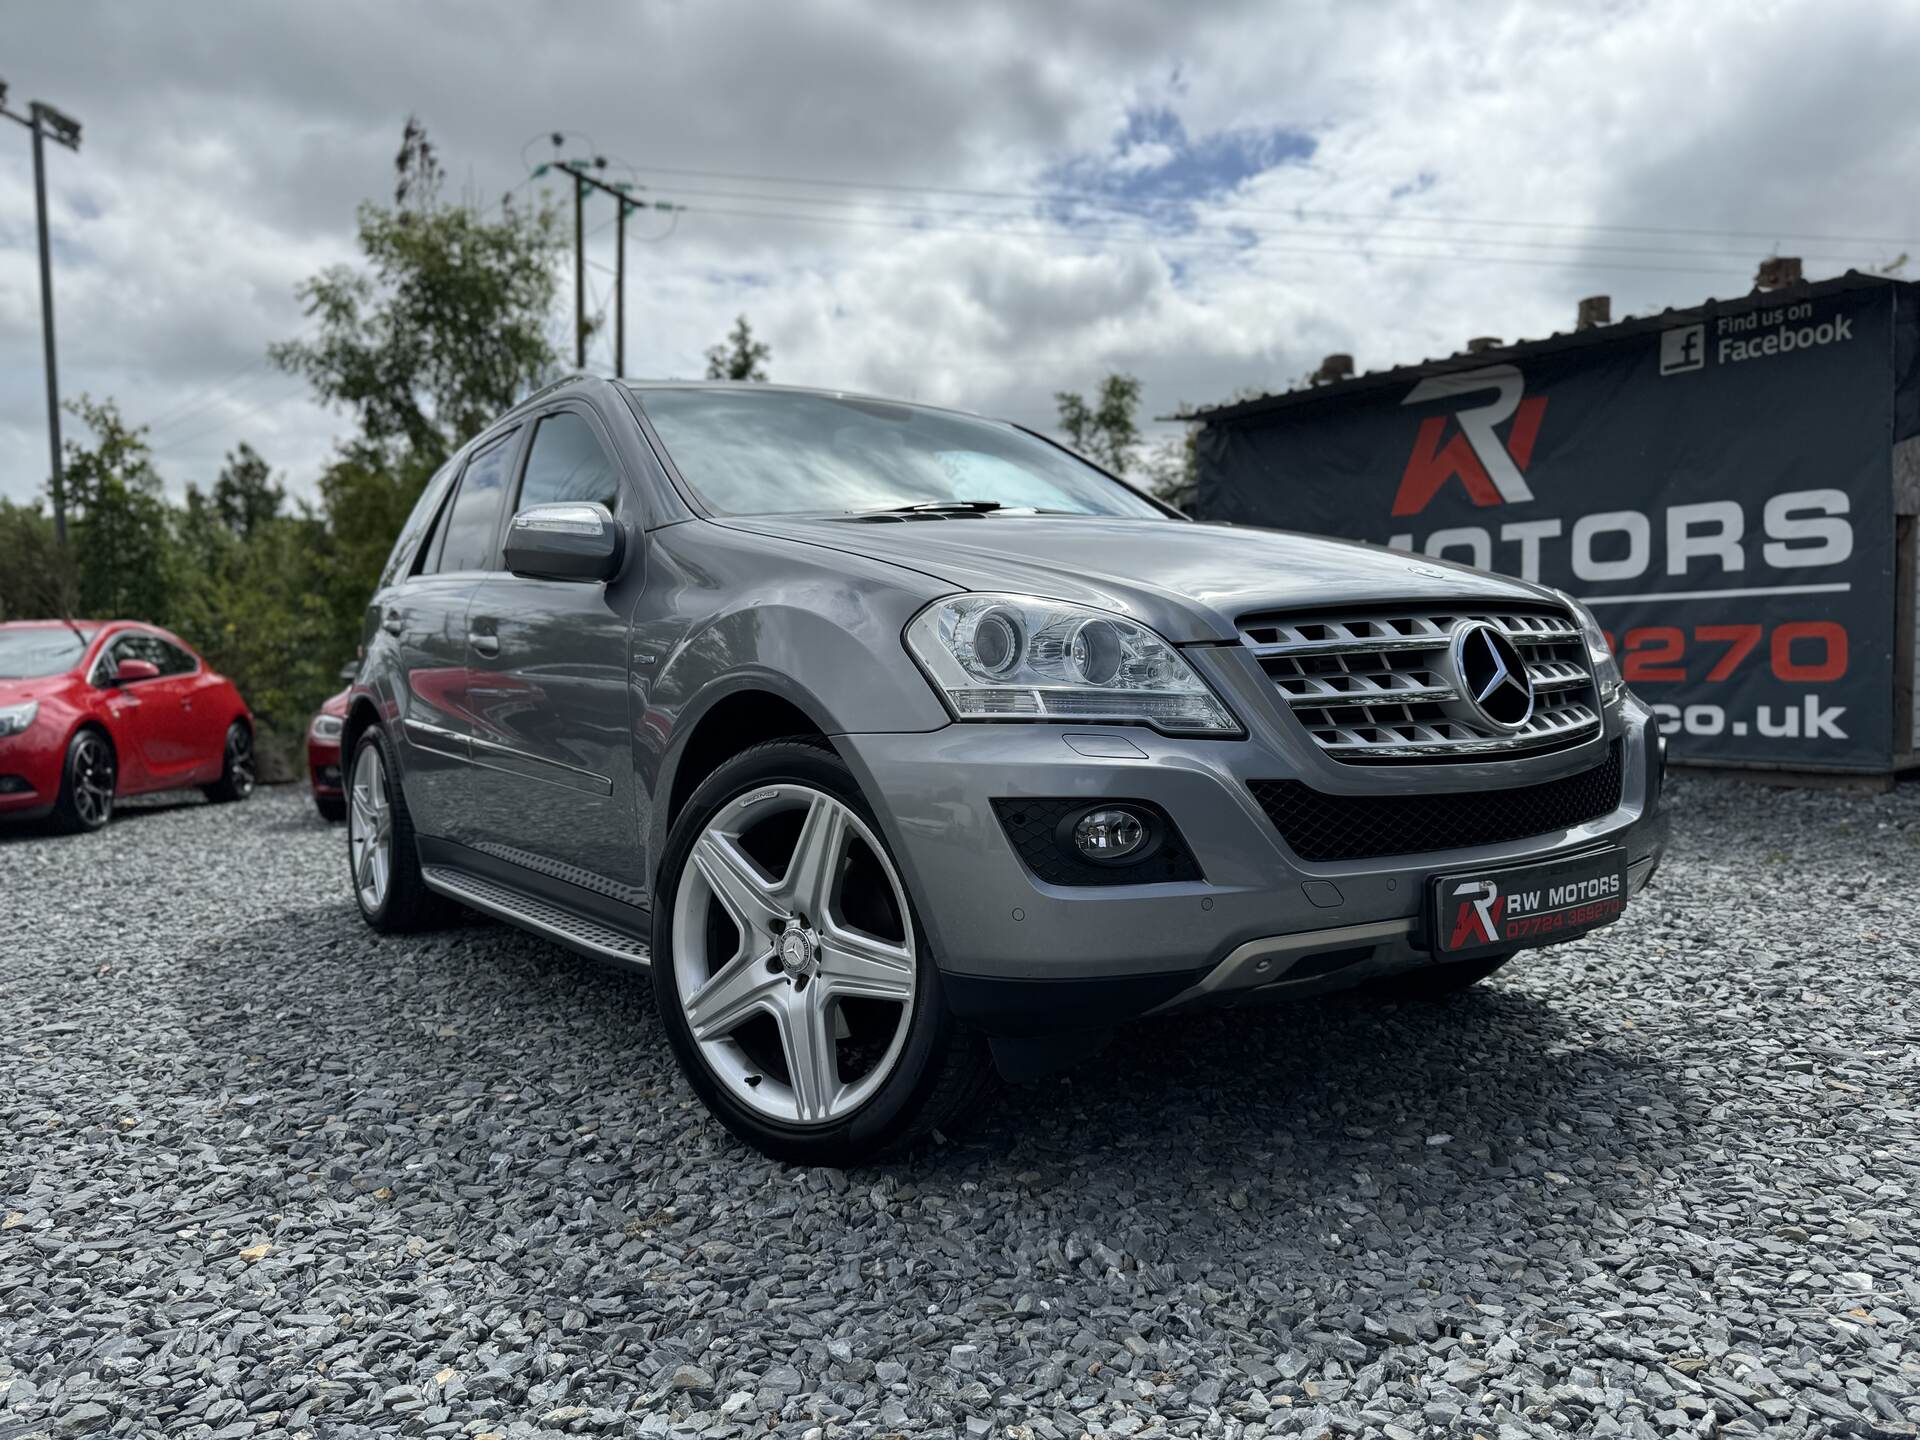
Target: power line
[1346,216]
[1147,236]
[270,402]
[1180,243]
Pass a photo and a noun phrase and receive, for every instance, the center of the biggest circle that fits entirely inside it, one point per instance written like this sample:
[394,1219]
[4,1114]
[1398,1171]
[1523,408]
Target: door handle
[391,624]
[488,645]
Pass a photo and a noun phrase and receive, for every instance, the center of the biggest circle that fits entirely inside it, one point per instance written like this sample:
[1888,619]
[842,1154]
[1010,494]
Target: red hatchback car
[95,710]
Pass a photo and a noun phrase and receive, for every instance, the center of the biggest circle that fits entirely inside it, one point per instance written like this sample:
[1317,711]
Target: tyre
[384,860]
[332,808]
[236,767]
[794,981]
[87,782]
[1436,982]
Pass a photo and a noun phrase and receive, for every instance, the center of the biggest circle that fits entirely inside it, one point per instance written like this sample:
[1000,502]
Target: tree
[1172,468]
[1104,432]
[444,327]
[245,497]
[120,530]
[741,358]
[36,576]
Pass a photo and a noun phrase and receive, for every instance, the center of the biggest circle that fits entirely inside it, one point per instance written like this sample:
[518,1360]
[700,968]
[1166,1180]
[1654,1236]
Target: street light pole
[45,121]
[58,472]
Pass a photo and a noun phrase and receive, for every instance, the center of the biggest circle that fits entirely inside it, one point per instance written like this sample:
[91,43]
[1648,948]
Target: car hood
[38,687]
[1188,581]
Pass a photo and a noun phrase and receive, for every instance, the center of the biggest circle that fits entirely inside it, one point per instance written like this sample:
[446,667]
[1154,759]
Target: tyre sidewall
[374,738]
[890,1111]
[67,808]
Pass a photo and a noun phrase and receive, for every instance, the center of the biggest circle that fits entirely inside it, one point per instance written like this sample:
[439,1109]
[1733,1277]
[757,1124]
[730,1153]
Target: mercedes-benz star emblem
[1493,678]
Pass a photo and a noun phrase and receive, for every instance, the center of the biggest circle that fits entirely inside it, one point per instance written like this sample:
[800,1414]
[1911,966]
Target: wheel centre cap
[799,949]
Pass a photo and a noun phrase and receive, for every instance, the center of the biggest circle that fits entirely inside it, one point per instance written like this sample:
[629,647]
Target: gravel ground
[262,1172]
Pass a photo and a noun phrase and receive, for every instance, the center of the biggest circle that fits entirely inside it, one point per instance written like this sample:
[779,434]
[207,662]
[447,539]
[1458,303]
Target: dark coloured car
[897,739]
[92,711]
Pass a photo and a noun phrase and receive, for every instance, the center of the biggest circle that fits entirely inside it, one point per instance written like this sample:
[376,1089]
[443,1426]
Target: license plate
[1487,911]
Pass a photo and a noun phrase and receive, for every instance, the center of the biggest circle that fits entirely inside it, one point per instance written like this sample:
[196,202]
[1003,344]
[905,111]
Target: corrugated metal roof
[1527,349]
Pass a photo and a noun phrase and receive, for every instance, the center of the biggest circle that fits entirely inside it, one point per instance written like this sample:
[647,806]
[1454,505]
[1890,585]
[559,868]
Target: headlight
[15,718]
[1606,670]
[1018,657]
[327,727]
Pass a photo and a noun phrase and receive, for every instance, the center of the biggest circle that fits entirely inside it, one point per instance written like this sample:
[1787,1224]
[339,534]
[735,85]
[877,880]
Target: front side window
[33,651]
[132,645]
[469,532]
[770,452]
[567,463]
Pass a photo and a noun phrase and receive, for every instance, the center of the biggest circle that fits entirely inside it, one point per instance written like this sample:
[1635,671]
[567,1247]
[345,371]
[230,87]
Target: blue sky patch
[1155,169]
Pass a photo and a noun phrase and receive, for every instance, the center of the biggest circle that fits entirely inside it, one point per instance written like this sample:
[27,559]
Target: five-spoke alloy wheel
[88,784]
[793,954]
[370,830]
[382,855]
[792,977]
[236,766]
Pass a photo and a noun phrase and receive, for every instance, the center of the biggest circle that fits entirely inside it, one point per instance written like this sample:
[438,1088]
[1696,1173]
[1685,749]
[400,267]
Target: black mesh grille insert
[1033,827]
[1359,827]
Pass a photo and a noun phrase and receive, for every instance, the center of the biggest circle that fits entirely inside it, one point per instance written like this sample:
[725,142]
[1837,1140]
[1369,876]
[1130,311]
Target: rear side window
[567,463]
[408,547]
[469,532]
[172,659]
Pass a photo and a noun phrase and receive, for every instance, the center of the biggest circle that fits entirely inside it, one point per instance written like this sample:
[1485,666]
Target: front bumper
[1019,954]
[323,766]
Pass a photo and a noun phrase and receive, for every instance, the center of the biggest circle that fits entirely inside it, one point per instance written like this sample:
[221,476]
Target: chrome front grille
[1385,686]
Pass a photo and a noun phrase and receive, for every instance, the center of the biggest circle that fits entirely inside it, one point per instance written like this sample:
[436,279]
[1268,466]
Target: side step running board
[589,937]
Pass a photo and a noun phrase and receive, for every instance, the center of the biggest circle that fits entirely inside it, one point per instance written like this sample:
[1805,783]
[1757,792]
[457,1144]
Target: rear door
[550,701]
[427,616]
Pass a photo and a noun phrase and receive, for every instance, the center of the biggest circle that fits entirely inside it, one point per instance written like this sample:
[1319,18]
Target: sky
[976,205]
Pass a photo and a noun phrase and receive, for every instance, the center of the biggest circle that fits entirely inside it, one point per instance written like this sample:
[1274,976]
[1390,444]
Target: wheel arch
[731,718]
[362,713]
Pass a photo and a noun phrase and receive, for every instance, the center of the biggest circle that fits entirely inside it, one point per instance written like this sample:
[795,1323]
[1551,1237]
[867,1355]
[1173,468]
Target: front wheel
[87,784]
[332,808]
[793,979]
[236,767]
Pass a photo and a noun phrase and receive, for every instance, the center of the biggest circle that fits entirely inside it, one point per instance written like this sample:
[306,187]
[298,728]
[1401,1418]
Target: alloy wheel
[93,780]
[793,954]
[240,760]
[370,829]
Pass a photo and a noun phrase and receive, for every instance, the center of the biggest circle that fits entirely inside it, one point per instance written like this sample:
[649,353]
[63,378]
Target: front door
[548,693]
[146,715]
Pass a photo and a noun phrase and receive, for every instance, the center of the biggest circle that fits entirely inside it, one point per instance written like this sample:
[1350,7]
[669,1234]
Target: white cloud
[223,160]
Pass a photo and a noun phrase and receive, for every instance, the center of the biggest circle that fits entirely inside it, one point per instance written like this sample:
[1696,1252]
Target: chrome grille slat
[1381,686]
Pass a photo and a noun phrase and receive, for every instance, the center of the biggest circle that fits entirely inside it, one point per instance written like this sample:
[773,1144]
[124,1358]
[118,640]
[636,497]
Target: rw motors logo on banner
[1717,603]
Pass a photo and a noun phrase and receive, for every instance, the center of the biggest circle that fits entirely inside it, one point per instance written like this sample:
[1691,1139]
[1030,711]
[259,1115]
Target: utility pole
[620,290]
[583,182]
[45,121]
[579,274]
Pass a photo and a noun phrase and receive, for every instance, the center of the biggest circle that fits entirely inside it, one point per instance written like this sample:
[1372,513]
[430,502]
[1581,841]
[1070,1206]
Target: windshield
[772,452]
[32,651]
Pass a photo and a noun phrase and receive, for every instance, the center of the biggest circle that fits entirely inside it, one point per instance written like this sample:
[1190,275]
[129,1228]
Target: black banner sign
[1718,491]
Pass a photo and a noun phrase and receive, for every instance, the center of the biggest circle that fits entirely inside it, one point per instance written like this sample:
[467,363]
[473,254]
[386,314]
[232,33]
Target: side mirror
[129,672]
[574,540]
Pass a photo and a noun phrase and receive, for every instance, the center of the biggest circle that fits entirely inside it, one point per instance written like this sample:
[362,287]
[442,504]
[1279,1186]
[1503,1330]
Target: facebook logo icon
[1683,349]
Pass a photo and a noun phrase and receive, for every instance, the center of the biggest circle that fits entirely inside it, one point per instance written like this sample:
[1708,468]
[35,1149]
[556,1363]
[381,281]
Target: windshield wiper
[936,507]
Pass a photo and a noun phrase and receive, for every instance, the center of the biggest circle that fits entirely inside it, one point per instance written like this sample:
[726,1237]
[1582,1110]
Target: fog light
[1104,836]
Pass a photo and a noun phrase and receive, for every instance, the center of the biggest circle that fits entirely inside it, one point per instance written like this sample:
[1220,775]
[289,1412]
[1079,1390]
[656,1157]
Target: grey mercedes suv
[900,742]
